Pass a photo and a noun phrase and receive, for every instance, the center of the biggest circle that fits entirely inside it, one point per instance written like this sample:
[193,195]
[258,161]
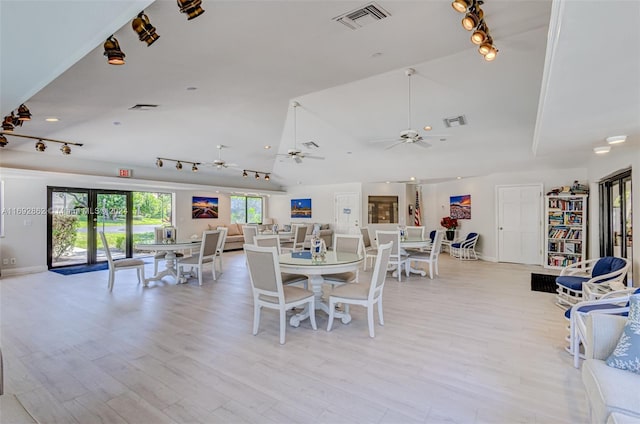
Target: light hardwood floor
[474,345]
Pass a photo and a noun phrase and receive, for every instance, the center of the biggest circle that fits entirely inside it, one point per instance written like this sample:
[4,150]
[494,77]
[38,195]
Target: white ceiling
[249,60]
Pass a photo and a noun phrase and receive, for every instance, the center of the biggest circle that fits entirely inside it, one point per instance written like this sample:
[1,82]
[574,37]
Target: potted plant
[450,224]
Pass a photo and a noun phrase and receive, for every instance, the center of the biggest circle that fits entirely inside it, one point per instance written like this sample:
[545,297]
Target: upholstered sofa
[613,394]
[235,239]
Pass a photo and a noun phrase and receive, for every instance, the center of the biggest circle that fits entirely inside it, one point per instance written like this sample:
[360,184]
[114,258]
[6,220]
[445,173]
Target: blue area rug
[78,269]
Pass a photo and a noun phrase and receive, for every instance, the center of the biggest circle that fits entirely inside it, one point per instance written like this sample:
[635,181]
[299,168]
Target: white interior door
[519,224]
[347,213]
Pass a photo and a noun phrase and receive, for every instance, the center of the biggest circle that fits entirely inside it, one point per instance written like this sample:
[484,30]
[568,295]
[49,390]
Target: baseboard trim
[24,270]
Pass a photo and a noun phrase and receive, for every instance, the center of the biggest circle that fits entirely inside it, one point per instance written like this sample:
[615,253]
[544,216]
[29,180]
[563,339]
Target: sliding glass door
[616,227]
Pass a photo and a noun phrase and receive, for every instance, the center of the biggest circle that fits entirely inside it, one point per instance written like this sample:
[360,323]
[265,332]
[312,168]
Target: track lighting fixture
[23,113]
[146,32]
[179,162]
[479,35]
[10,122]
[245,174]
[115,56]
[40,146]
[472,18]
[461,6]
[191,8]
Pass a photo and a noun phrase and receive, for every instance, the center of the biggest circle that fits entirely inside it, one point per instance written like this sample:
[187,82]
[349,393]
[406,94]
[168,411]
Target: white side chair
[366,295]
[207,254]
[370,251]
[348,243]
[414,232]
[268,290]
[249,232]
[297,243]
[430,257]
[397,258]
[273,240]
[120,264]
[222,239]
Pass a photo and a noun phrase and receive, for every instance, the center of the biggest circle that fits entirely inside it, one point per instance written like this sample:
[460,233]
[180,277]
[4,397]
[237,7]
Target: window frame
[246,209]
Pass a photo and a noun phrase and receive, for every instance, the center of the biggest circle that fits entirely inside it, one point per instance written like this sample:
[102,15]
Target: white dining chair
[430,257]
[366,295]
[273,240]
[268,290]
[222,239]
[120,264]
[398,257]
[297,243]
[348,243]
[249,232]
[370,251]
[207,254]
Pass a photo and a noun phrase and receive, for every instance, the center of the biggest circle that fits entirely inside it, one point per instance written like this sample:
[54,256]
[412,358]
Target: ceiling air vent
[455,121]
[142,106]
[362,16]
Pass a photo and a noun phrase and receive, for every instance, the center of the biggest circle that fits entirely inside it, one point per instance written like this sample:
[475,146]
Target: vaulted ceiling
[567,75]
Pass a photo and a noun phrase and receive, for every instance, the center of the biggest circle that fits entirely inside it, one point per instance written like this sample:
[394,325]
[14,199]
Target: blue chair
[612,303]
[600,275]
[465,249]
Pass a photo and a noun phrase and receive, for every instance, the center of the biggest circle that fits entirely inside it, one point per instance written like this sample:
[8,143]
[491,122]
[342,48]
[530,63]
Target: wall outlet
[13,261]
[5,261]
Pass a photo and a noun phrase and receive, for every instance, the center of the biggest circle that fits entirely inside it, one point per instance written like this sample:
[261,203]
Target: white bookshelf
[565,230]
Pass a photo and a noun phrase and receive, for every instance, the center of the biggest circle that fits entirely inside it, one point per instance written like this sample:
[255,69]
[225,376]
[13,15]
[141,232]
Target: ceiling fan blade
[395,144]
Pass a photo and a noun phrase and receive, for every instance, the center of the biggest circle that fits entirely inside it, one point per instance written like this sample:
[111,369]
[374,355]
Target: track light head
[480,34]
[159,163]
[472,18]
[65,149]
[146,32]
[191,8]
[7,124]
[194,168]
[40,146]
[461,5]
[23,113]
[244,174]
[491,54]
[179,166]
[257,176]
[484,48]
[266,177]
[3,140]
[115,56]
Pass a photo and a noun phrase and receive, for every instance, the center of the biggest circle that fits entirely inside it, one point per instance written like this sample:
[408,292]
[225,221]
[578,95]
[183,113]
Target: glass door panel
[67,238]
[150,210]
[628,233]
[111,218]
[616,219]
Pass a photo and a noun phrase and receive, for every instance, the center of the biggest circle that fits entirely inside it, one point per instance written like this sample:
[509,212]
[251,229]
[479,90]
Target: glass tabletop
[331,258]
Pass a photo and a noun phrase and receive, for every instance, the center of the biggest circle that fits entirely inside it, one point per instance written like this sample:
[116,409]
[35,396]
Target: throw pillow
[626,355]
[287,228]
[325,227]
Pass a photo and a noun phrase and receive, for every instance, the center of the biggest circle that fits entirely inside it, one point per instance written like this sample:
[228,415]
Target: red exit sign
[125,173]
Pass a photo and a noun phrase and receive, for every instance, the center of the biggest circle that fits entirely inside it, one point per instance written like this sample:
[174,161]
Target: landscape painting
[300,208]
[460,206]
[204,207]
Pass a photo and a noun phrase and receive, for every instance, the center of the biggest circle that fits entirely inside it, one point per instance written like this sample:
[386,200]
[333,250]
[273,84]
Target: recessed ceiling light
[388,182]
[600,150]
[192,88]
[267,147]
[617,139]
[412,178]
[458,178]
[52,119]
[117,123]
[428,128]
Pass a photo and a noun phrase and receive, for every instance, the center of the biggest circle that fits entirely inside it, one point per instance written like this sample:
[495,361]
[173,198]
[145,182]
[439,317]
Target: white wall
[322,202]
[620,157]
[483,201]
[26,235]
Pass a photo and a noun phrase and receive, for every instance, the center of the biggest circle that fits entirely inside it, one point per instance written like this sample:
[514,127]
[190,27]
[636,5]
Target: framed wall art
[460,206]
[300,208]
[204,207]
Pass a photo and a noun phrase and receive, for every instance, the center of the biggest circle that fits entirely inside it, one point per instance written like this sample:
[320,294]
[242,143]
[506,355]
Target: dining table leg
[316,282]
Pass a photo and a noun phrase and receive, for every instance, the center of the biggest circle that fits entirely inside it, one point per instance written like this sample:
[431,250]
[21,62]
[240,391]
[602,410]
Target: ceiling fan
[296,154]
[220,163]
[411,136]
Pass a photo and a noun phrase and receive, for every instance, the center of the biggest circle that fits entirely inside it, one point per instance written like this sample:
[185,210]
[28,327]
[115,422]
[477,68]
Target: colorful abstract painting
[300,208]
[204,207]
[460,206]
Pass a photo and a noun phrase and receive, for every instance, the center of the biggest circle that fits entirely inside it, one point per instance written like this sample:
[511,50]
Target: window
[246,210]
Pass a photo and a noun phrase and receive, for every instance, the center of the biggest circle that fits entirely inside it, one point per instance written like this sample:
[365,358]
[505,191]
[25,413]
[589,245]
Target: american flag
[416,214]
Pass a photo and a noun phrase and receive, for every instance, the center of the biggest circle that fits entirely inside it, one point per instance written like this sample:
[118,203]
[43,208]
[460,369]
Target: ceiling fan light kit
[294,153]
